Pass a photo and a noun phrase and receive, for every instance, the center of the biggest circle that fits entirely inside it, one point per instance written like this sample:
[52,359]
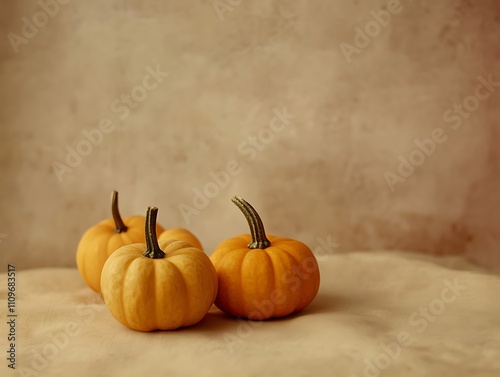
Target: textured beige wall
[322,174]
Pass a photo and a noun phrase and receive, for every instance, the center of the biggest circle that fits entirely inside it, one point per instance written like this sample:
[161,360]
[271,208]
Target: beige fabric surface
[367,301]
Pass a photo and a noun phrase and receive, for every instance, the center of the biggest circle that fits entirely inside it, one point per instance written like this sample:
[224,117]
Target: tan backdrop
[320,113]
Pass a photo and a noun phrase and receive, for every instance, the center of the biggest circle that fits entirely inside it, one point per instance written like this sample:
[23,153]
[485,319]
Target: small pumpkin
[158,285]
[261,276]
[180,234]
[101,240]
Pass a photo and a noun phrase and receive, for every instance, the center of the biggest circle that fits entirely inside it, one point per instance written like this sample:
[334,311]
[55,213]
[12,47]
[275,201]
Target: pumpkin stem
[259,239]
[120,226]
[153,251]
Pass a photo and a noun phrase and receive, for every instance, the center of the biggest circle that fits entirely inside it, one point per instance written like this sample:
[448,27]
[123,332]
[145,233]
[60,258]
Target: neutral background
[321,177]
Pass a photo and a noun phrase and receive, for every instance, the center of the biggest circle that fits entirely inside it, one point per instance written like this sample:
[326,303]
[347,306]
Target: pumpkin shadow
[324,303]
[216,320]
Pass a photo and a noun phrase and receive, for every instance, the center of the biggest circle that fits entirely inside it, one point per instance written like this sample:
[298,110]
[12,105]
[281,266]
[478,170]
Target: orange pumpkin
[101,240]
[261,276]
[180,234]
[158,285]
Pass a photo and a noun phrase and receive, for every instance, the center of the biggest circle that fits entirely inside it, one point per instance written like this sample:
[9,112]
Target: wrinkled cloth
[376,314]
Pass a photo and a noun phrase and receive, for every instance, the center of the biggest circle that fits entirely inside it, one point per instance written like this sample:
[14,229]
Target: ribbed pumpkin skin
[159,294]
[180,234]
[265,283]
[100,241]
